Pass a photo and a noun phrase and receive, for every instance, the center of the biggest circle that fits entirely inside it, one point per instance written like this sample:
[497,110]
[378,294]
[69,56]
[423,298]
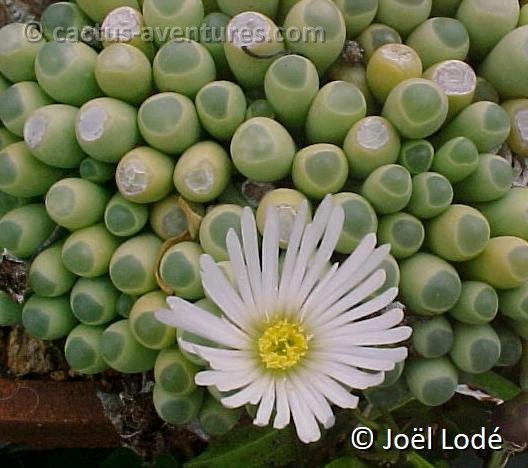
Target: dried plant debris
[479,395]
[13,276]
[253,192]
[27,355]
[352,52]
[127,403]
[520,166]
[21,10]
[521,173]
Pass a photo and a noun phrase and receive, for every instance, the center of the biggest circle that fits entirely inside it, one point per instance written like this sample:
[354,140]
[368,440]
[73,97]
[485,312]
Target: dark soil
[126,399]
[21,10]
[13,278]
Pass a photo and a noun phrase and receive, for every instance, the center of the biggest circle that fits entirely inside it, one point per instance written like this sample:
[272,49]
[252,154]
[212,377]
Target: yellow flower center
[282,345]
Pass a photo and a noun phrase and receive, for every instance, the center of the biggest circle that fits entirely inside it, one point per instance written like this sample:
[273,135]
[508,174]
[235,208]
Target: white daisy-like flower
[294,340]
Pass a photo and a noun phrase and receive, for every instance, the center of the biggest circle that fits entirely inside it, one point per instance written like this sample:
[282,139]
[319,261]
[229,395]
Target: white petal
[251,254]
[270,260]
[282,417]
[192,319]
[291,252]
[323,254]
[240,271]
[347,375]
[326,220]
[361,352]
[308,245]
[342,287]
[352,264]
[220,359]
[319,289]
[356,260]
[323,213]
[188,346]
[237,330]
[382,322]
[226,381]
[322,217]
[218,288]
[345,280]
[367,308]
[250,394]
[390,354]
[266,405]
[332,390]
[303,418]
[351,359]
[355,296]
[382,337]
[315,401]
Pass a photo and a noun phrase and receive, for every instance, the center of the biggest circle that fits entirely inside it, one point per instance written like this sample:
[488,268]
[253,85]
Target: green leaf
[389,398]
[463,415]
[166,460]
[346,462]
[250,447]
[123,458]
[416,461]
[493,384]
